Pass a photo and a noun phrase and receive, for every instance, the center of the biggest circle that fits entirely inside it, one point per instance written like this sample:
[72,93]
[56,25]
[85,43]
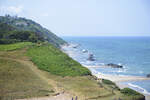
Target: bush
[128,91]
[107,82]
[8,41]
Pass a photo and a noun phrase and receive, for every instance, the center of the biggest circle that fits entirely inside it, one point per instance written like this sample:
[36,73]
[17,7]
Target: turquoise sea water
[131,52]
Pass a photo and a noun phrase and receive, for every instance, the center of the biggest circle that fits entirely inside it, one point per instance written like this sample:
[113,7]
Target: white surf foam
[144,91]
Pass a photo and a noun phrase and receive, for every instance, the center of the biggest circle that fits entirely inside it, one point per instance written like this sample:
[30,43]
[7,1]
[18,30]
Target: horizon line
[103,36]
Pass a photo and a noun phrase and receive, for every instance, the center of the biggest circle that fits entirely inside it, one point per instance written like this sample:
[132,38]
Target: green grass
[51,59]
[19,81]
[8,47]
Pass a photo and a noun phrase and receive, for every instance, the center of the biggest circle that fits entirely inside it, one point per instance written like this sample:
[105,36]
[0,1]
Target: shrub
[105,81]
[128,91]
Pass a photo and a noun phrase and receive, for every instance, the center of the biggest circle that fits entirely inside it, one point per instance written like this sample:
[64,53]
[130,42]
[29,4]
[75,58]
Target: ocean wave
[140,89]
[141,72]
[119,64]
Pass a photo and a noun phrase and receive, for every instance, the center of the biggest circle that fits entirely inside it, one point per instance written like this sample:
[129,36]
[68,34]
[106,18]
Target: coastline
[117,79]
[120,78]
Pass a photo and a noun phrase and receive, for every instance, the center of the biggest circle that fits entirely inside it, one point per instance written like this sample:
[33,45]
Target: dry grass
[18,81]
[87,88]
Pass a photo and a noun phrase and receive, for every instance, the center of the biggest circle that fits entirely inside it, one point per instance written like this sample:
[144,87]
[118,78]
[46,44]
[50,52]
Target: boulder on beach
[148,75]
[114,65]
[91,57]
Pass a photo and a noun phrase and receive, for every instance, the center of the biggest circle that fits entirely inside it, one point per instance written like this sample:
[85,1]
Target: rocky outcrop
[91,57]
[148,75]
[84,51]
[114,65]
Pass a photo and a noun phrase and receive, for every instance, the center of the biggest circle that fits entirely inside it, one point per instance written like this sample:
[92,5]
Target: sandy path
[58,97]
[147,97]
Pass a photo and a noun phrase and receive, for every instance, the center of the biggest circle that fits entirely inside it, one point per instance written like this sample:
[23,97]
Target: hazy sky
[85,17]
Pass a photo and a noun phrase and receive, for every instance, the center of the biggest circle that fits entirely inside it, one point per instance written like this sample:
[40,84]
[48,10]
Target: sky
[85,17]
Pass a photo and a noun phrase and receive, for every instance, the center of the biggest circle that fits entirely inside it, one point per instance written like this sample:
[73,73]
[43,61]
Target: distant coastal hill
[14,29]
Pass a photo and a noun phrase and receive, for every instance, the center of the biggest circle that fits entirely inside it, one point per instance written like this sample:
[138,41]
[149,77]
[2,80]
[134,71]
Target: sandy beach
[116,78]
[119,78]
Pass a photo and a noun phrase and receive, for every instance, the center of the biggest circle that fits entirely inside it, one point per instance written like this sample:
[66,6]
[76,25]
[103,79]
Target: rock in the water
[91,57]
[114,65]
[148,75]
[75,45]
[84,51]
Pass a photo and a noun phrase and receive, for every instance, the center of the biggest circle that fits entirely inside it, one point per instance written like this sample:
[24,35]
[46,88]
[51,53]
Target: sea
[133,53]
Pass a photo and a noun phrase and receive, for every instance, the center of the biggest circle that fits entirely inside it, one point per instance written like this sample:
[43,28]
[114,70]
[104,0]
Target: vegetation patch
[128,91]
[105,81]
[51,59]
[8,47]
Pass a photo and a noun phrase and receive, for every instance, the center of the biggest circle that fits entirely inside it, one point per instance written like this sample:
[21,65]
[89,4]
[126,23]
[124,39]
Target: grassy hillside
[25,25]
[50,59]
[88,88]
[19,77]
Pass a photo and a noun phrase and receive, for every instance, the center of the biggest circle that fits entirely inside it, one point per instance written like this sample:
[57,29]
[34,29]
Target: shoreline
[117,79]
[120,78]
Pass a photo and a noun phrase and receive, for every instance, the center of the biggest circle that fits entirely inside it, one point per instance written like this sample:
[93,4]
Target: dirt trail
[60,94]
[59,97]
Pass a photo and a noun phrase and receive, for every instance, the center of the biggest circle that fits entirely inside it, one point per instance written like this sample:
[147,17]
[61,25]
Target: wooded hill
[17,29]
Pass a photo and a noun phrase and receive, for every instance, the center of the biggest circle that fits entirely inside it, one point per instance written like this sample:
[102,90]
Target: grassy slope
[51,59]
[85,87]
[14,46]
[17,80]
